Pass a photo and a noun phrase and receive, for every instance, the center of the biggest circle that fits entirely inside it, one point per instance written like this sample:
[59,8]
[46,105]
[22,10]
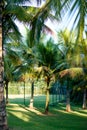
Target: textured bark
[6,91]
[47,99]
[84,99]
[32,95]
[3,119]
[68,109]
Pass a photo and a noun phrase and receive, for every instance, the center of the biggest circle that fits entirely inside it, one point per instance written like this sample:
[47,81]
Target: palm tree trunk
[32,95]
[6,92]
[68,109]
[47,99]
[3,118]
[84,99]
[24,92]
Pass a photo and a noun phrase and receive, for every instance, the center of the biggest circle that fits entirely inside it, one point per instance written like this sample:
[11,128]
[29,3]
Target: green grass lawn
[22,118]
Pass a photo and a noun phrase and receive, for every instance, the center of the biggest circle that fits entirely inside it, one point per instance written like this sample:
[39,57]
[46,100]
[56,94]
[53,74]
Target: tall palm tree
[75,55]
[67,41]
[83,86]
[72,56]
[14,11]
[3,121]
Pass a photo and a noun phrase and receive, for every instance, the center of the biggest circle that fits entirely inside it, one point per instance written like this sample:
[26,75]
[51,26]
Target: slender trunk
[3,118]
[84,99]
[47,99]
[32,95]
[6,92]
[24,92]
[68,109]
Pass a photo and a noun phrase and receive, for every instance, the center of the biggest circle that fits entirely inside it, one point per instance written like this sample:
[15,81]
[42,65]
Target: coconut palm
[48,57]
[76,11]
[76,74]
[13,11]
[67,42]
[45,12]
[83,86]
[3,120]
[66,39]
[11,61]
[25,55]
[74,55]
[8,16]
[52,4]
[8,74]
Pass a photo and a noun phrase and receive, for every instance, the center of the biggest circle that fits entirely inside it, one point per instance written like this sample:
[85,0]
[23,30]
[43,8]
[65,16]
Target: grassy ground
[22,118]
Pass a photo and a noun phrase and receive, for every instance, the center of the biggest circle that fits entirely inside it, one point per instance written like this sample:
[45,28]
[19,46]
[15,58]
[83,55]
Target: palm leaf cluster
[73,73]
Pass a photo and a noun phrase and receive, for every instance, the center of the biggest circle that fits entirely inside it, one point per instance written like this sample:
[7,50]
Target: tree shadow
[22,118]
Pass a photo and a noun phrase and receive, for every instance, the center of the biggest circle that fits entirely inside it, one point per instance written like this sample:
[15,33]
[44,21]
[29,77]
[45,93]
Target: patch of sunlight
[36,111]
[80,114]
[21,116]
[16,107]
[63,111]
[74,112]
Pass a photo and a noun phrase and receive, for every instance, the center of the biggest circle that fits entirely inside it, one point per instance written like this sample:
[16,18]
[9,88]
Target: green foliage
[18,88]
[48,54]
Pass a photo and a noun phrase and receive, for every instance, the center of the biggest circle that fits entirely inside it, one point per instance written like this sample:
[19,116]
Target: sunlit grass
[20,117]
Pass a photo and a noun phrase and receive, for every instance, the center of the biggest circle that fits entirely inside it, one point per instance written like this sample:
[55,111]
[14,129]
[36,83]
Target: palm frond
[73,73]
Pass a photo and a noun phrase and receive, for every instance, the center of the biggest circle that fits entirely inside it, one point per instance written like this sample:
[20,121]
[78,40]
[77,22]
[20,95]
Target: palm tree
[83,87]
[67,42]
[76,11]
[3,121]
[12,12]
[42,14]
[48,56]
[25,62]
[75,56]
[84,98]
[9,69]
[76,74]
[32,77]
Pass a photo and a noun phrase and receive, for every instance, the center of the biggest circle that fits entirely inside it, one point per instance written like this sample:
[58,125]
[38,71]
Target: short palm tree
[82,85]
[73,75]
[8,73]
[48,56]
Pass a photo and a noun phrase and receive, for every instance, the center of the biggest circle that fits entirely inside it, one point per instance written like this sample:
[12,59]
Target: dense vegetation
[34,56]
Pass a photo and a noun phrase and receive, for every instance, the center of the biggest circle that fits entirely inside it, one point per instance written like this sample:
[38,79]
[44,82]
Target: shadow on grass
[21,118]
